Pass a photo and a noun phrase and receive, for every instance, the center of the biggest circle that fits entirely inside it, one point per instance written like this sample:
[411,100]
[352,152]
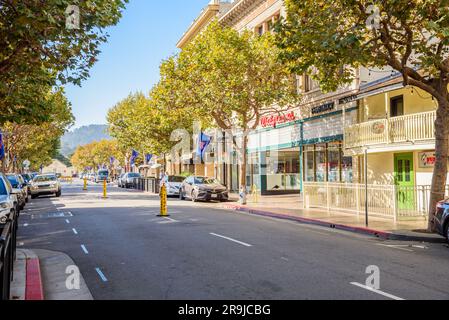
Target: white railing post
[395,204]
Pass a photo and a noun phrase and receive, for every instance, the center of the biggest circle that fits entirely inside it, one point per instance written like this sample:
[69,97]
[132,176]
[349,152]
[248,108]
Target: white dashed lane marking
[230,239]
[390,296]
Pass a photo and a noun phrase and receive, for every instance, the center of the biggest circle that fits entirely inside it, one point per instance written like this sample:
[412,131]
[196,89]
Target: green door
[405,180]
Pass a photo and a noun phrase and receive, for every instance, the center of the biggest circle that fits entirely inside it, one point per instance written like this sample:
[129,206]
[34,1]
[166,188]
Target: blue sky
[129,62]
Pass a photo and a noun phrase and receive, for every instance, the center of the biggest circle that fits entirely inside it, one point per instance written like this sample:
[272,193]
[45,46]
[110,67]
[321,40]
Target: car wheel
[33,196]
[27,199]
[181,195]
[58,194]
[446,231]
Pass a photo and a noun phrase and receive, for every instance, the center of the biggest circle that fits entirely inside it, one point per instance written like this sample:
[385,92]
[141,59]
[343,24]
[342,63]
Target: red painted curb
[33,288]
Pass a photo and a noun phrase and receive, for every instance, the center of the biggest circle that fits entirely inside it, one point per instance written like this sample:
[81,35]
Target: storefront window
[326,163]
[334,152]
[320,163]
[283,171]
[309,174]
[346,170]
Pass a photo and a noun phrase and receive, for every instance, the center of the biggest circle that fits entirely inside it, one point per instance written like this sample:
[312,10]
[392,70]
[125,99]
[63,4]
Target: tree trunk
[441,152]
[243,165]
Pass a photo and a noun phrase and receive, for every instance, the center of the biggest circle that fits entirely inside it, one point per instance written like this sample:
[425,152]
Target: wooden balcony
[413,128]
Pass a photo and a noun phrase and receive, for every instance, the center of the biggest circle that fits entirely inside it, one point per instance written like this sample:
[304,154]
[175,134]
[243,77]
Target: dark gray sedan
[203,189]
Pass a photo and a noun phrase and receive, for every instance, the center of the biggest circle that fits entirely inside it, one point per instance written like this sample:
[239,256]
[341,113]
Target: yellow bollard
[85,184]
[105,189]
[163,195]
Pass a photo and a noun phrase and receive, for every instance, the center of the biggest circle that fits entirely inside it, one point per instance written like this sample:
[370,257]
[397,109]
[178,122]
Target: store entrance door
[405,180]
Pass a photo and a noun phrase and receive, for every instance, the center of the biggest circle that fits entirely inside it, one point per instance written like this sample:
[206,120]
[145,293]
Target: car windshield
[134,175]
[14,181]
[202,180]
[103,173]
[175,179]
[45,178]
[2,188]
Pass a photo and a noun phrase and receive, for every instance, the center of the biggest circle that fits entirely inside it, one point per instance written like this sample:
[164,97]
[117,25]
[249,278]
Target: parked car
[28,178]
[121,181]
[19,188]
[202,188]
[128,179]
[46,184]
[173,184]
[102,175]
[442,218]
[8,199]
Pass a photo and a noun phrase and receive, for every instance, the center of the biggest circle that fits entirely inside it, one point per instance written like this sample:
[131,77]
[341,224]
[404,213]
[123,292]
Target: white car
[129,179]
[8,200]
[45,184]
[173,184]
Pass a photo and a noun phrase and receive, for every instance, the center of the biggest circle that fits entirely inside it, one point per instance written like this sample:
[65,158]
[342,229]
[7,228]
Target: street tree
[412,37]
[147,123]
[48,43]
[38,143]
[96,154]
[232,79]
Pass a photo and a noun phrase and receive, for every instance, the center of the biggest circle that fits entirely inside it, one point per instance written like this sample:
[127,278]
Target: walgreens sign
[274,120]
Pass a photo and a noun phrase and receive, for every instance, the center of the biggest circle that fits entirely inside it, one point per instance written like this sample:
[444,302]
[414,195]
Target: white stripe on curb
[74,231]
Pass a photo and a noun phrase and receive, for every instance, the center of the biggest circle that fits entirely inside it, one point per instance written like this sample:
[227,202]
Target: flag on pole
[111,160]
[148,157]
[203,142]
[134,156]
[2,146]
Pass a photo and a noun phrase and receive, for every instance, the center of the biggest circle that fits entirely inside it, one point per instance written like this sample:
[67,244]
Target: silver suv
[8,200]
[45,184]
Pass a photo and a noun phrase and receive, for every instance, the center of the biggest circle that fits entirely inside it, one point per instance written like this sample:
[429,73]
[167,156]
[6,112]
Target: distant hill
[82,136]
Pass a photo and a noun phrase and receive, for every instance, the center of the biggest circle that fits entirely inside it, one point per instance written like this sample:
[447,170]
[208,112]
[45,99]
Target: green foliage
[38,51]
[231,78]
[146,123]
[335,36]
[39,143]
[96,154]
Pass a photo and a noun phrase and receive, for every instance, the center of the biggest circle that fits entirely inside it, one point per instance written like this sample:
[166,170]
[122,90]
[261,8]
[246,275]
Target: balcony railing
[408,128]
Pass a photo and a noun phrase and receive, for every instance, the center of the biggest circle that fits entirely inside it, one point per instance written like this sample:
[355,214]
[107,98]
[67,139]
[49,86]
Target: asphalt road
[203,252]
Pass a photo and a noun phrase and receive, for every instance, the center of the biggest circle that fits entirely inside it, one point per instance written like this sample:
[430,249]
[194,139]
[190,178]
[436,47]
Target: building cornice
[210,12]
[239,9]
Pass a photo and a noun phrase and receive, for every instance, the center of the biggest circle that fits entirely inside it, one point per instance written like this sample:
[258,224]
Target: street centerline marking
[377,291]
[84,249]
[67,221]
[102,276]
[230,239]
[74,231]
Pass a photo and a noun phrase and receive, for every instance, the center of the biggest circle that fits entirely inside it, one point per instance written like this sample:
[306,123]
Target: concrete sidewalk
[42,275]
[291,207]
